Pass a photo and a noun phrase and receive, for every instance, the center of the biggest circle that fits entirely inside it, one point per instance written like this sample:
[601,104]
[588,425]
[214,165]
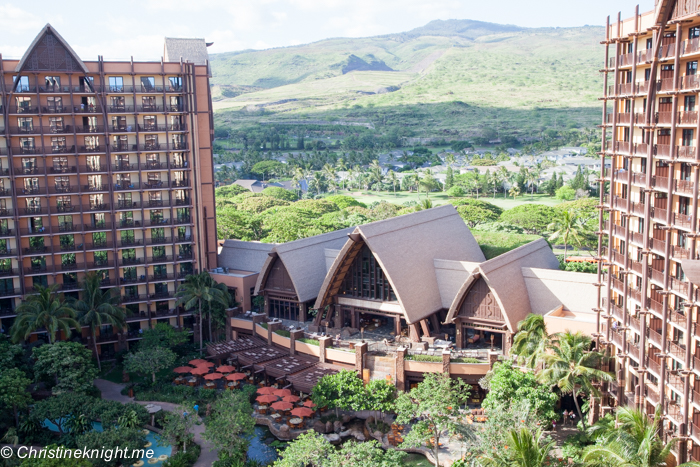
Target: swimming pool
[151,437]
[260,451]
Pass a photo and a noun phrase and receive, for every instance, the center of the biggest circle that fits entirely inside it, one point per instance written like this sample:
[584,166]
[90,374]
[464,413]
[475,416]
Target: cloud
[14,20]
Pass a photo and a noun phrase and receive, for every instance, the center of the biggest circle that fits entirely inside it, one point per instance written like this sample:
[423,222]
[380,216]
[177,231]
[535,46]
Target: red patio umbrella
[183,369]
[266,391]
[213,376]
[266,399]
[281,405]
[291,398]
[309,404]
[236,376]
[283,392]
[206,364]
[302,412]
[197,361]
[200,370]
[226,369]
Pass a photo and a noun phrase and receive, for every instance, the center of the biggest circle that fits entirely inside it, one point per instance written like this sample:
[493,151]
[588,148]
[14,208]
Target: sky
[118,30]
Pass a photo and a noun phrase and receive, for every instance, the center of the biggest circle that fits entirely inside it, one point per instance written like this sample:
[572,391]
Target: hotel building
[106,166]
[648,312]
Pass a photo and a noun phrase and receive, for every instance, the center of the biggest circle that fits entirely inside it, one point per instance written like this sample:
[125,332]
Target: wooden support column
[397,326]
[294,336]
[272,326]
[415,334]
[323,343]
[354,318]
[360,351]
[435,322]
[302,312]
[424,326]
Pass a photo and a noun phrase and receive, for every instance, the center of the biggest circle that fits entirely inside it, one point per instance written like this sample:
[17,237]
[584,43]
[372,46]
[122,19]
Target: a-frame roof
[50,52]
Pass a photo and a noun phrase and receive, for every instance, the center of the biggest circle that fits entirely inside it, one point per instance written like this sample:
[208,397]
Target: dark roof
[190,50]
[243,256]
[52,58]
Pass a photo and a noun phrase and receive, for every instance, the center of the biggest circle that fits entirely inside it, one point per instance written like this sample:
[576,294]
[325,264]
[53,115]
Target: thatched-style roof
[244,256]
[549,289]
[189,50]
[225,349]
[49,51]
[287,365]
[503,274]
[406,247]
[305,262]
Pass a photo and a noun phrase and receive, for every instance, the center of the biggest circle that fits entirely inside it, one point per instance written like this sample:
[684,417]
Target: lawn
[401,197]
[416,460]
[497,243]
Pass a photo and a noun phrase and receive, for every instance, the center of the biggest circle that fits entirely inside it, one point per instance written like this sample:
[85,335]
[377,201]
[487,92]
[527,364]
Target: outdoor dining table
[296,422]
[262,410]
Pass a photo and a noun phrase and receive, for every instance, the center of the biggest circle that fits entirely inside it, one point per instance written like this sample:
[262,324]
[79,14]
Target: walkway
[113,392]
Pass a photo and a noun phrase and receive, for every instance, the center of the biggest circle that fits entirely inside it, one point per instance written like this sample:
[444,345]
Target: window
[117,103]
[25,124]
[27,145]
[29,165]
[99,239]
[176,123]
[127,237]
[175,103]
[52,83]
[58,144]
[179,160]
[90,124]
[62,184]
[153,161]
[101,258]
[130,274]
[688,137]
[68,261]
[181,197]
[159,251]
[119,124]
[124,181]
[156,216]
[94,163]
[31,185]
[149,123]
[56,124]
[21,83]
[55,104]
[154,199]
[65,223]
[175,83]
[179,179]
[689,103]
[24,104]
[152,142]
[33,205]
[120,143]
[148,83]
[94,182]
[149,103]
[121,161]
[158,234]
[92,143]
[124,200]
[160,271]
[694,32]
[691,68]
[97,202]
[154,180]
[116,84]
[178,141]
[183,215]
[63,204]
[98,220]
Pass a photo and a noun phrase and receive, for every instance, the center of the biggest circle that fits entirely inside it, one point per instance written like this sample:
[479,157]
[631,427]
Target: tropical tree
[634,442]
[375,174]
[194,292]
[46,309]
[340,166]
[532,340]
[572,367]
[149,362]
[566,226]
[533,176]
[330,175]
[65,366]
[434,403]
[505,177]
[525,449]
[514,191]
[221,298]
[14,392]
[97,307]
[297,178]
[393,179]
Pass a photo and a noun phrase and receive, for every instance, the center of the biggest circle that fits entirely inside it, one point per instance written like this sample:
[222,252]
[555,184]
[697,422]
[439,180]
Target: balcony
[130,243]
[63,170]
[99,246]
[98,226]
[120,109]
[162,296]
[130,261]
[664,150]
[21,150]
[98,207]
[126,186]
[24,110]
[93,168]
[182,220]
[91,149]
[133,298]
[87,109]
[159,259]
[125,167]
[156,222]
[132,279]
[685,187]
[64,189]
[5,272]
[96,188]
[90,129]
[686,152]
[158,240]
[161,277]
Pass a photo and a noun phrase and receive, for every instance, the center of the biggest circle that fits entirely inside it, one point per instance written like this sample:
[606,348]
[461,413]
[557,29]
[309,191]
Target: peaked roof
[548,289]
[50,52]
[406,247]
[503,274]
[305,261]
[190,50]
[244,256]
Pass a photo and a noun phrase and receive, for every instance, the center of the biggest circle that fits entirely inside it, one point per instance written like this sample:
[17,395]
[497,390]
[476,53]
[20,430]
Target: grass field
[401,197]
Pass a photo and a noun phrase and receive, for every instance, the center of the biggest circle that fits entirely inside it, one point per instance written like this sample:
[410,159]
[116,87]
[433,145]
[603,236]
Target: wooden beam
[424,326]
[414,334]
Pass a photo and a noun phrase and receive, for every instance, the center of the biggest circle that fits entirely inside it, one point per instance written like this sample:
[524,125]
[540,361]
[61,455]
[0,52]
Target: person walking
[566,416]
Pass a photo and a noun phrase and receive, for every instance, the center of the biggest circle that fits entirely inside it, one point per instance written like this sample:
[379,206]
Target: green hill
[456,77]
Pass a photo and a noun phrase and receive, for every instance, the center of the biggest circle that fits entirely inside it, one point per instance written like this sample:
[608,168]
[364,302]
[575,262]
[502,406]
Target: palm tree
[497,179]
[222,297]
[98,307]
[193,293]
[572,367]
[375,174]
[635,442]
[526,449]
[297,178]
[329,172]
[514,190]
[505,176]
[316,182]
[341,167]
[393,179]
[46,309]
[532,339]
[533,176]
[566,225]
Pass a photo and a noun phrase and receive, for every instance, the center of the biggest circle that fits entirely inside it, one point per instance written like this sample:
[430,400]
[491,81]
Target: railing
[158,240]
[663,150]
[130,261]
[654,337]
[686,152]
[124,186]
[63,170]
[92,149]
[89,129]
[684,186]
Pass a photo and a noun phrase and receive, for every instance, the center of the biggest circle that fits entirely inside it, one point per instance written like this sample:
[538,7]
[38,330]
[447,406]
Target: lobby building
[106,167]
[648,309]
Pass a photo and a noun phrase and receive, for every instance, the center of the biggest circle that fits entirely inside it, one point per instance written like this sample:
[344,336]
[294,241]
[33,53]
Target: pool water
[151,437]
[260,451]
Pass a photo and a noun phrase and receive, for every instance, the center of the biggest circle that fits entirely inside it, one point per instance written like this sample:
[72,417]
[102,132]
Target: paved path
[113,392]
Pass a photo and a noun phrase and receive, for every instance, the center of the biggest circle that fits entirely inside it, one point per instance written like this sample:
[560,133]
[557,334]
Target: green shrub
[309,341]
[184,459]
[455,192]
[344,201]
[424,358]
[466,360]
[280,193]
[282,332]
[565,193]
[534,218]
[500,227]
